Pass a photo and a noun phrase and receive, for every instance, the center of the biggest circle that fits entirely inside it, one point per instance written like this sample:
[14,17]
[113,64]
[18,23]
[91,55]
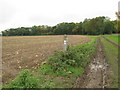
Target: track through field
[96,74]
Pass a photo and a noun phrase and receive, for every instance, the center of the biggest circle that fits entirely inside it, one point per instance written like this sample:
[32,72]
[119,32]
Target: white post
[65,42]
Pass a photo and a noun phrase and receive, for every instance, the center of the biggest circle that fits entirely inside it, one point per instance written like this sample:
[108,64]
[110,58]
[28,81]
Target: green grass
[115,39]
[92,35]
[111,53]
[25,79]
[70,71]
[63,79]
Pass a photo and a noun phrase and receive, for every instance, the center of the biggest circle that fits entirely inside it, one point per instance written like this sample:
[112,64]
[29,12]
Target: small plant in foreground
[24,80]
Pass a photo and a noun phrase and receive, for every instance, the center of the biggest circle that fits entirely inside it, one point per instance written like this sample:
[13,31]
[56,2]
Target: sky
[27,13]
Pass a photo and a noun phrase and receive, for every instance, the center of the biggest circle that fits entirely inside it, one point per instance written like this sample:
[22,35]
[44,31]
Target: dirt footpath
[96,74]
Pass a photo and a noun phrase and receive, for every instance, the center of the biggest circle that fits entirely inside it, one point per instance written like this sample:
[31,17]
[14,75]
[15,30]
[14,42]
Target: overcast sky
[26,13]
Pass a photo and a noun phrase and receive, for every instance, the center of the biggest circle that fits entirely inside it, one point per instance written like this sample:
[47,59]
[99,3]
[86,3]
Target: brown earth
[28,52]
[96,74]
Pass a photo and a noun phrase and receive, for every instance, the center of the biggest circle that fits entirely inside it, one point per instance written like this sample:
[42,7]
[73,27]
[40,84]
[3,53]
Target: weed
[24,80]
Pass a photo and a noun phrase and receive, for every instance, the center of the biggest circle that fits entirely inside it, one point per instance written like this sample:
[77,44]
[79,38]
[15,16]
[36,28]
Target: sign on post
[65,42]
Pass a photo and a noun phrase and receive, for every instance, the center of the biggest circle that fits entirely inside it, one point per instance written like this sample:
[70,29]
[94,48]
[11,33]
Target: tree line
[95,26]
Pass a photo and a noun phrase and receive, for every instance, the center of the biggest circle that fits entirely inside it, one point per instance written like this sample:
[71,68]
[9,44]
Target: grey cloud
[38,19]
[119,6]
[7,11]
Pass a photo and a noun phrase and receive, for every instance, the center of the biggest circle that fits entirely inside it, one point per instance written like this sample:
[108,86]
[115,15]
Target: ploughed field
[28,52]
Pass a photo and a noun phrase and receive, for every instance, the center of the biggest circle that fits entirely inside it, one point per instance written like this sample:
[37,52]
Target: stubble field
[28,52]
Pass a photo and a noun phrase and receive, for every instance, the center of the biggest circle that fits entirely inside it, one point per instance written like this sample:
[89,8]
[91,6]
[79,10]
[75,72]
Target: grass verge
[115,39]
[112,58]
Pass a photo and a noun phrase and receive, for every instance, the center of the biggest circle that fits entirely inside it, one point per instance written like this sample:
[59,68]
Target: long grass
[115,39]
[111,53]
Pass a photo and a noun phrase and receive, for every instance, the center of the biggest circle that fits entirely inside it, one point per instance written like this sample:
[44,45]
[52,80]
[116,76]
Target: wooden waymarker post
[65,42]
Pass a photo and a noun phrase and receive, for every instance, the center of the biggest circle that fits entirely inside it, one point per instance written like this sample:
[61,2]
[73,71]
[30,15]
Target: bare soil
[97,73]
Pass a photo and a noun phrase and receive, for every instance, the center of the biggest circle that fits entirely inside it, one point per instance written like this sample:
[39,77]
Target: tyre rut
[95,75]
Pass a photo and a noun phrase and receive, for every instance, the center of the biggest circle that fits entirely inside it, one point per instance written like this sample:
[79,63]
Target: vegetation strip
[111,54]
[115,38]
[69,64]
[96,74]
[118,46]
